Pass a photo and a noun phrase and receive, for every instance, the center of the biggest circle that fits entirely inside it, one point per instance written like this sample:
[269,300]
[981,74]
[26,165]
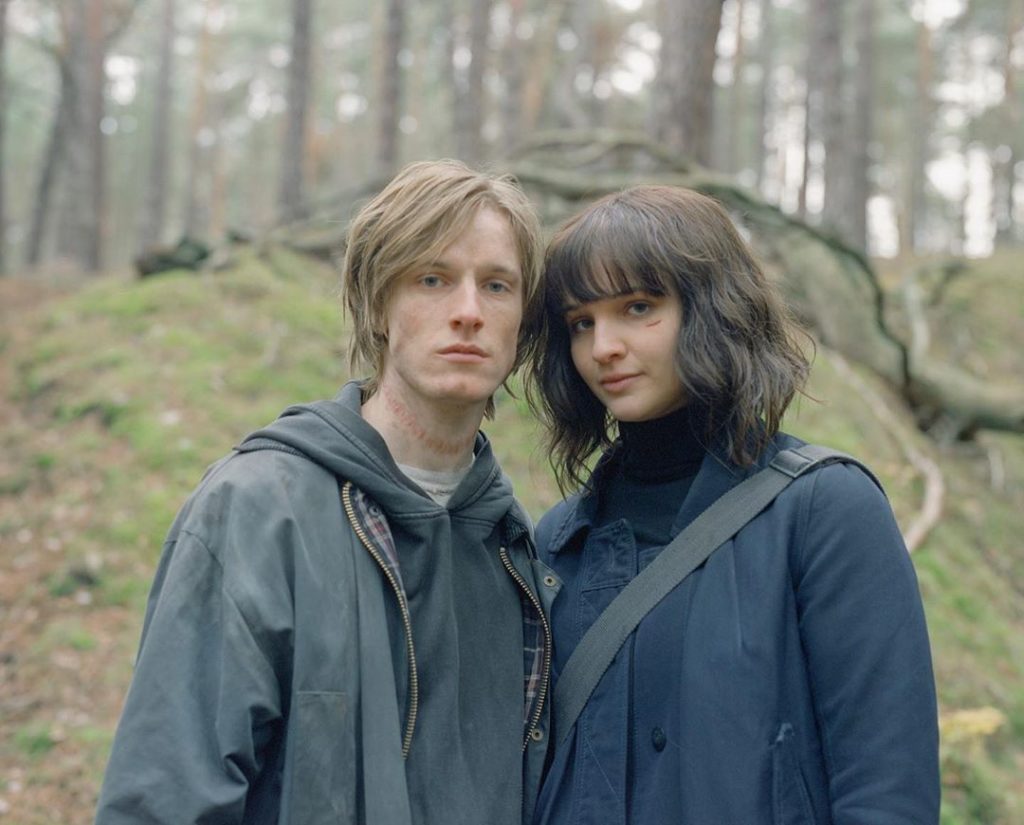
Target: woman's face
[624,348]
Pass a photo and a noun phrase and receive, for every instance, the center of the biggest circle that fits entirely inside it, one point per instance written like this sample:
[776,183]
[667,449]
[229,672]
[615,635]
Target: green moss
[35,740]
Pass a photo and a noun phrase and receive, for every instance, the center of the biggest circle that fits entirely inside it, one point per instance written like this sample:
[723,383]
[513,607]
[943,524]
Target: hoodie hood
[334,435]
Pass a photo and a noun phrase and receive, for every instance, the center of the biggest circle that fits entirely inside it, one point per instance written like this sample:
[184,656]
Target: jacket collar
[717,475]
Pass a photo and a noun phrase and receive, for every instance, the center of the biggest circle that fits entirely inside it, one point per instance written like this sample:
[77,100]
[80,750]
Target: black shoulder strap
[684,554]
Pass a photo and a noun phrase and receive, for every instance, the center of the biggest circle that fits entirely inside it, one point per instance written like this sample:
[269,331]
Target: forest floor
[115,394]
[55,644]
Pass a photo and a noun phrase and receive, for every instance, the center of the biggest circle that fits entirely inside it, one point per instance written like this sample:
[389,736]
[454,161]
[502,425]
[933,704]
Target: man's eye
[430,280]
[497,287]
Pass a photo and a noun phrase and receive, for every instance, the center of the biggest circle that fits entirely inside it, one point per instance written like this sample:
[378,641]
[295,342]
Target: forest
[130,123]
[871,151]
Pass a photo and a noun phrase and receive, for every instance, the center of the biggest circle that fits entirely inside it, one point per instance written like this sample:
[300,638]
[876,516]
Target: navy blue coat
[787,681]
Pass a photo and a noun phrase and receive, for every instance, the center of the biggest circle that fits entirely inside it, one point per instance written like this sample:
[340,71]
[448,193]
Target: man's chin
[467,393]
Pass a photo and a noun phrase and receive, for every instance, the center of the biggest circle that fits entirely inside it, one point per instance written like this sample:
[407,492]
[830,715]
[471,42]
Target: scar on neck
[408,420]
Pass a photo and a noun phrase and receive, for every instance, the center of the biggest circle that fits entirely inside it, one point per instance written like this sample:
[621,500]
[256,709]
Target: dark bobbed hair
[738,357]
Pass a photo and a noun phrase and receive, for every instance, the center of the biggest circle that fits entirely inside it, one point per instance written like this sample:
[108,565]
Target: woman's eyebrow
[604,296]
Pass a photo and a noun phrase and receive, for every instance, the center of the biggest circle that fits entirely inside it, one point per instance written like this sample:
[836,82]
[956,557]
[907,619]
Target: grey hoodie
[280,676]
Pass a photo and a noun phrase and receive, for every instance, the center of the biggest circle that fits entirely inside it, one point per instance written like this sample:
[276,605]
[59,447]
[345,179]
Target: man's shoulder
[263,472]
[248,491]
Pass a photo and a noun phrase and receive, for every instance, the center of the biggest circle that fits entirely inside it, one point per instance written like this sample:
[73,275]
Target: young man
[347,624]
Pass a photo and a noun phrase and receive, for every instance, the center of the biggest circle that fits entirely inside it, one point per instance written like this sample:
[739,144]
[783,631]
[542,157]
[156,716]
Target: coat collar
[717,475]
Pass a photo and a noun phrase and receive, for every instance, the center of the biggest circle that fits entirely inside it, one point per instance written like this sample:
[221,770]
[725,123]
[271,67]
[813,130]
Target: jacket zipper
[414,679]
[546,666]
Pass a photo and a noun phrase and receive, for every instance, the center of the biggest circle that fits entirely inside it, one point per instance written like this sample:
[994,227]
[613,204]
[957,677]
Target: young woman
[789,679]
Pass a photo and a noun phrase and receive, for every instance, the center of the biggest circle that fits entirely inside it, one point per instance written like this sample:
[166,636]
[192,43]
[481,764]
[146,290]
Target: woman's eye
[578,325]
[639,308]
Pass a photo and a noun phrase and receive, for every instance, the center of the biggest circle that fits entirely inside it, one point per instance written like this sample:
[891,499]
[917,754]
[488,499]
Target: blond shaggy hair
[424,208]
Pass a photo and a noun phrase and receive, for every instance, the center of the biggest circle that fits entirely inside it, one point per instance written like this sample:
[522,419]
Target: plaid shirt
[373,521]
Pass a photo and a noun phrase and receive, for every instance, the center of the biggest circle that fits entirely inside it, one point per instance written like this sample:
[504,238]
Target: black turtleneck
[655,464]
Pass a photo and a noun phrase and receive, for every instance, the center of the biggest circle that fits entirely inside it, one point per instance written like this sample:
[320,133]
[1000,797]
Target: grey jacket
[265,690]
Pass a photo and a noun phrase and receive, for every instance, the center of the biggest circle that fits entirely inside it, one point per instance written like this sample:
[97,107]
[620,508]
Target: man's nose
[466,310]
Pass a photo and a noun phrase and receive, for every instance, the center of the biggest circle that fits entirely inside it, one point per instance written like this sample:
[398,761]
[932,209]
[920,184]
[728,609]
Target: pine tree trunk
[914,206]
[837,171]
[53,159]
[568,107]
[1005,170]
[155,207]
[292,192]
[512,75]
[816,33]
[469,99]
[80,237]
[391,87]
[763,139]
[692,35]
[3,119]
[731,162]
[197,206]
[862,129]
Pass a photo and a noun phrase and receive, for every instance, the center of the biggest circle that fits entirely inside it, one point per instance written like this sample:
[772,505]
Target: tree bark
[816,34]
[763,139]
[197,207]
[53,159]
[160,158]
[3,119]
[292,190]
[688,47]
[862,129]
[914,204]
[731,162]
[543,57]
[1005,172]
[512,75]
[391,87]
[469,98]
[568,103]
[831,100]
[80,238]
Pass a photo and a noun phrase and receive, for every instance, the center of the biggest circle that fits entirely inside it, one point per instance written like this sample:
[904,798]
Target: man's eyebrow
[495,267]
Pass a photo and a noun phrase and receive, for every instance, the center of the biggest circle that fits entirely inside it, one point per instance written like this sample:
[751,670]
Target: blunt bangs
[601,256]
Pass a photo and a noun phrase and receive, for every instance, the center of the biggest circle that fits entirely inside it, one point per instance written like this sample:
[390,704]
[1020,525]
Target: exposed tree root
[931,509]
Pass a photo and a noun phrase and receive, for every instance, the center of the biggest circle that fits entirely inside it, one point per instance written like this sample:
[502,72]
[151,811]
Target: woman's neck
[662,448]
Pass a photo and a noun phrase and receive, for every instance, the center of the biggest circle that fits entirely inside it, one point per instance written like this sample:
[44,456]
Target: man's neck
[430,436]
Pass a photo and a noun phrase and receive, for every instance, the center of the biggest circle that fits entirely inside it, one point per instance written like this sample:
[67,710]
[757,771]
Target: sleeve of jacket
[204,702]
[863,629]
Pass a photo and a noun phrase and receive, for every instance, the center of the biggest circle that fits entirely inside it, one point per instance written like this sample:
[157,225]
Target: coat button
[658,739]
[536,734]
[550,581]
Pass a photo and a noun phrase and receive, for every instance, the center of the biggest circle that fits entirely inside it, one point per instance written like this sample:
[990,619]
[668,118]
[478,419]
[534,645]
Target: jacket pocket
[791,803]
[322,787]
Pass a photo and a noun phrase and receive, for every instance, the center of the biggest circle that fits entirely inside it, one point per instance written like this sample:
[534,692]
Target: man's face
[452,325]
